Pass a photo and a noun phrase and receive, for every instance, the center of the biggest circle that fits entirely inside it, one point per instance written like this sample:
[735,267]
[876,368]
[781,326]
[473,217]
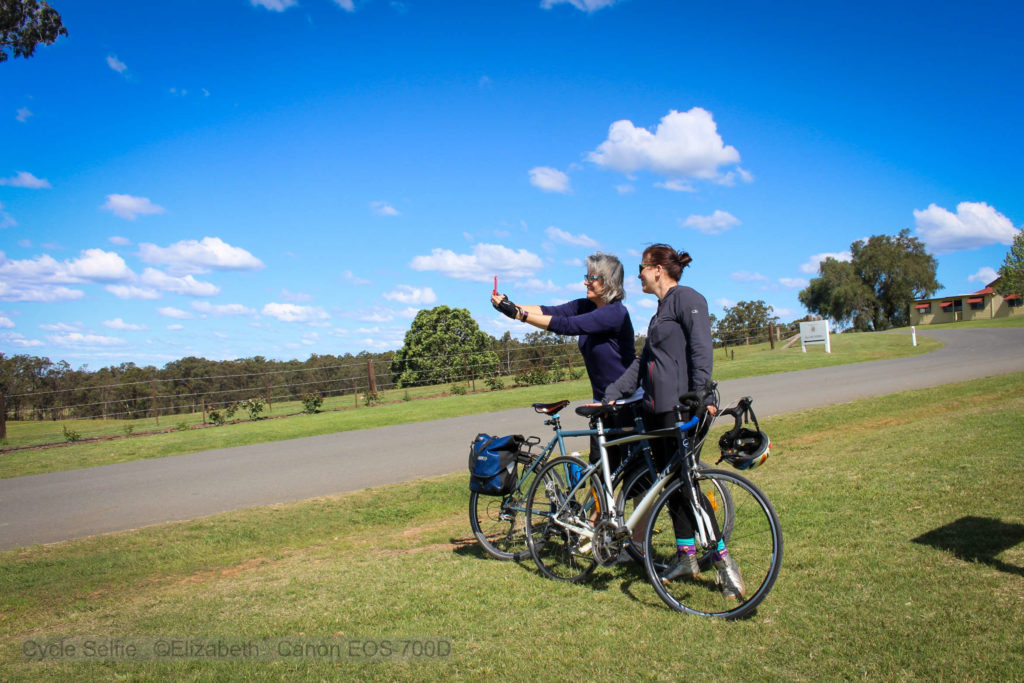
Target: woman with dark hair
[677,358]
[602,324]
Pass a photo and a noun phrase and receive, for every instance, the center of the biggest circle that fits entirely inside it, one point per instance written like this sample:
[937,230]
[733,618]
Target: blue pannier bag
[492,464]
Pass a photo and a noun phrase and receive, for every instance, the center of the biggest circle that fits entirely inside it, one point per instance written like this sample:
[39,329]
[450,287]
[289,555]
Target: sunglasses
[647,265]
[588,278]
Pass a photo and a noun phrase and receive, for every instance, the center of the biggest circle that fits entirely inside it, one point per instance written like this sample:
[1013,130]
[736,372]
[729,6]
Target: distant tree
[24,24]
[874,289]
[443,345]
[1011,273]
[746,320]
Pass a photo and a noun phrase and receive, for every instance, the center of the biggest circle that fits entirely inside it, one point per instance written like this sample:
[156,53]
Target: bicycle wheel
[499,523]
[754,542]
[560,552]
[640,481]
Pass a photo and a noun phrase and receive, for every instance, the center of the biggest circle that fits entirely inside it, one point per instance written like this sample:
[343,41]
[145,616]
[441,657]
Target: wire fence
[81,399]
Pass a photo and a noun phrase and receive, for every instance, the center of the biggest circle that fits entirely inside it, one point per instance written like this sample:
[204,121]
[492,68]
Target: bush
[70,435]
[371,398]
[128,429]
[217,417]
[182,426]
[254,406]
[494,383]
[458,389]
[229,412]
[311,403]
[532,376]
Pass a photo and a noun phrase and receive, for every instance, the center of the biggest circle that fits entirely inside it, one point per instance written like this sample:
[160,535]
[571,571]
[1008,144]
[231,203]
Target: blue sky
[232,178]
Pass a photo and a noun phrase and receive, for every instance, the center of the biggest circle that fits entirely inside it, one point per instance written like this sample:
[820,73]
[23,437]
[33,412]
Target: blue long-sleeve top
[605,337]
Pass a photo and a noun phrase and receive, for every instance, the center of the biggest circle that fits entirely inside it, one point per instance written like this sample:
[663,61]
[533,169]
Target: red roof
[975,299]
[924,305]
[987,290]
[1011,297]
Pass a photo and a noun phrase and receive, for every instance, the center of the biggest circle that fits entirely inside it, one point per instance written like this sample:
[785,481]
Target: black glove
[508,308]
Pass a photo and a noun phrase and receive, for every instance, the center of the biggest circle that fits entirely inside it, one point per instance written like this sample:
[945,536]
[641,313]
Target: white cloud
[415,296]
[119,324]
[291,313]
[715,224]
[175,327]
[176,313]
[220,310]
[295,297]
[793,282]
[724,303]
[119,241]
[975,224]
[274,5]
[133,292]
[116,64]
[41,279]
[625,189]
[676,185]
[347,5]
[549,179]
[129,207]
[26,180]
[354,279]
[984,275]
[814,262]
[23,114]
[190,256]
[684,145]
[384,209]
[486,261]
[6,220]
[79,339]
[186,286]
[582,5]
[746,276]
[18,339]
[561,236]
[6,322]
[536,285]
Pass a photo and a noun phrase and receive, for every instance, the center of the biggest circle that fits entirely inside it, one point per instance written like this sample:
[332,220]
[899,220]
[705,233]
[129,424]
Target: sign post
[815,332]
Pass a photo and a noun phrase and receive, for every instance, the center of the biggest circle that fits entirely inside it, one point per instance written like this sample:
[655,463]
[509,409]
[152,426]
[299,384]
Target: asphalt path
[46,508]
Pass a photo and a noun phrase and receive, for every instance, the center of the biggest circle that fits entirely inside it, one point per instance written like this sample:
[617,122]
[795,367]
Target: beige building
[984,304]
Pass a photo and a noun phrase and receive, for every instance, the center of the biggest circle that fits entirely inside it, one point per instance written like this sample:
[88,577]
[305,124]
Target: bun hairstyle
[668,258]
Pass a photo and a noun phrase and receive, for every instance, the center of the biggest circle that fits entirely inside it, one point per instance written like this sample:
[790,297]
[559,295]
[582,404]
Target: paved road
[53,507]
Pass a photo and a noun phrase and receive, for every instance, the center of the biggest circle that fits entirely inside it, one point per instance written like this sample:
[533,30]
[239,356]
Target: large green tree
[1011,273]
[443,345]
[745,321]
[24,24]
[873,290]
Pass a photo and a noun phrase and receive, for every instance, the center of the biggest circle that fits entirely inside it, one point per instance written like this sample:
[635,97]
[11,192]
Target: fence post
[266,393]
[771,335]
[156,410]
[371,379]
[3,417]
[355,393]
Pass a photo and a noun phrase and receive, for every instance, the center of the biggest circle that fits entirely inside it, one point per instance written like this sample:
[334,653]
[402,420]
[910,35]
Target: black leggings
[678,507]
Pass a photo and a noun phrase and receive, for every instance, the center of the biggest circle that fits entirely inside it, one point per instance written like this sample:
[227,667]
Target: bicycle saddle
[550,408]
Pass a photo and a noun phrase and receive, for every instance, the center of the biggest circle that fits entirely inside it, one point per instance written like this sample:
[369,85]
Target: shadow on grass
[977,539]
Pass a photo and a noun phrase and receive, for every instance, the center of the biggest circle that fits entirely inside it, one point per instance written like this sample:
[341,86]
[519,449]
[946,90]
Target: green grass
[743,361]
[904,559]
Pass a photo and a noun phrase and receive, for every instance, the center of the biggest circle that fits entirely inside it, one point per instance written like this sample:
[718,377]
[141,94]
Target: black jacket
[677,357]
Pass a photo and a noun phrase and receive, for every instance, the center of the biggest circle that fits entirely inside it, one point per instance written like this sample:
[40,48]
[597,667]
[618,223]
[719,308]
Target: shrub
[494,383]
[254,406]
[128,429]
[182,426]
[532,376]
[371,398]
[311,403]
[458,389]
[217,417]
[229,412]
[70,435]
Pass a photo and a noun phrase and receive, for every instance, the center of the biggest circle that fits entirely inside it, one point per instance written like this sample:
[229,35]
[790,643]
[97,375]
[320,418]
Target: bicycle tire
[755,543]
[638,483]
[499,522]
[558,552]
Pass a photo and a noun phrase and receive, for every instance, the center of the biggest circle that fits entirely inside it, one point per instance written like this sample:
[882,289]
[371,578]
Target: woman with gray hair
[601,321]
